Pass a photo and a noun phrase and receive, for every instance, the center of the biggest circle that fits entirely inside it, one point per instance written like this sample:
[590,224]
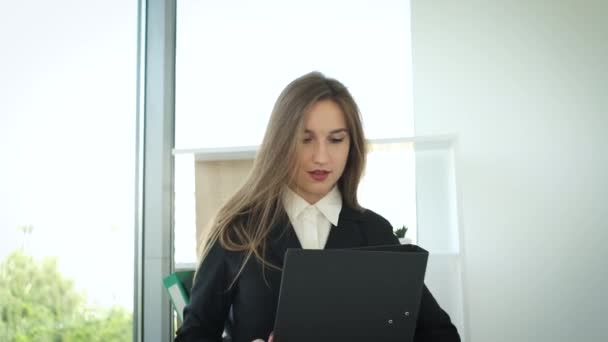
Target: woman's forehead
[325,117]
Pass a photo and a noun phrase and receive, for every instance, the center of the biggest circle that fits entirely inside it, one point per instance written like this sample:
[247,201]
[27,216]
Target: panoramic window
[67,140]
[232,60]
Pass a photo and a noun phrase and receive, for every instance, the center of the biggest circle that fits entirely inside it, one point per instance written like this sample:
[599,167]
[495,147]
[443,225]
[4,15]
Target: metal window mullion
[156,139]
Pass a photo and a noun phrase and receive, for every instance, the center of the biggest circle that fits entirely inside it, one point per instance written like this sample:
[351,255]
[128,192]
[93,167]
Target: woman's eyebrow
[332,132]
[339,130]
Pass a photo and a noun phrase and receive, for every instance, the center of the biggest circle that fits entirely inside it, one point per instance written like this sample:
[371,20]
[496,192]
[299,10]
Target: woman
[301,193]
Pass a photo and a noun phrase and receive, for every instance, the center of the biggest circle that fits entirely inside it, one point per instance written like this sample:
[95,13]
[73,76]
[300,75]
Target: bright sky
[235,56]
[67,107]
[67,123]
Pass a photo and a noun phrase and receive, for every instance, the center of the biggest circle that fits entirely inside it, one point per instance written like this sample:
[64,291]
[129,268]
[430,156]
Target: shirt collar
[330,205]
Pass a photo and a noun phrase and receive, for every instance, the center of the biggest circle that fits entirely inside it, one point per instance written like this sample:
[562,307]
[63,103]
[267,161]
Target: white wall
[524,84]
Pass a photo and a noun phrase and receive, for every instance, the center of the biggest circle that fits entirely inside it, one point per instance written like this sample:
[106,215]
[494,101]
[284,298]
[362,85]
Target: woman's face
[322,151]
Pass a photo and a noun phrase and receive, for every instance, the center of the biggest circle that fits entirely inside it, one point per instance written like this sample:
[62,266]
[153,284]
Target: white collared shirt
[313,222]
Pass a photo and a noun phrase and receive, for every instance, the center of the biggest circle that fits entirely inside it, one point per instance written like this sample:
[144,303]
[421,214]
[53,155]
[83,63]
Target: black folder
[365,294]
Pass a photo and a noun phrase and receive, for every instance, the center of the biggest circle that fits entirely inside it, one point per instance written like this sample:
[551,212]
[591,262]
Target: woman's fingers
[270,338]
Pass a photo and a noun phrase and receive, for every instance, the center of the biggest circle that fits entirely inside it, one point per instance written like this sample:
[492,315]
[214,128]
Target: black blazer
[248,307]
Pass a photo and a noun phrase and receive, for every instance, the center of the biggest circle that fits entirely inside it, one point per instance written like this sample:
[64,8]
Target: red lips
[319,175]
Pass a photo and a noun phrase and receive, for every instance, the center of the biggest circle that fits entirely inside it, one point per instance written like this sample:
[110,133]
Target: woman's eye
[336,140]
[307,140]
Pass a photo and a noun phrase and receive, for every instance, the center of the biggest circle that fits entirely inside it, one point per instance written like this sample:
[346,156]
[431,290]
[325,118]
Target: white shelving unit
[440,223]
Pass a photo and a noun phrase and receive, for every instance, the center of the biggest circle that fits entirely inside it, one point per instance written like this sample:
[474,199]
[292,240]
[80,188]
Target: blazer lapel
[281,237]
[348,233]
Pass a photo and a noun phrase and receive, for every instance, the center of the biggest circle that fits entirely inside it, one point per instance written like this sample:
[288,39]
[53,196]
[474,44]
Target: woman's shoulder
[371,217]
[376,228]
[218,254]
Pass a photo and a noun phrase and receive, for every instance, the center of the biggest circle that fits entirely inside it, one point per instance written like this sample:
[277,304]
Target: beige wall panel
[215,182]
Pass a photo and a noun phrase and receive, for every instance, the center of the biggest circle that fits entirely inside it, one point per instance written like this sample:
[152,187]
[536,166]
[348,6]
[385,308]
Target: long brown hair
[245,220]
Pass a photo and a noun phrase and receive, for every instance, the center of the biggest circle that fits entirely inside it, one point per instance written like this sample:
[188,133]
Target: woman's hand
[270,338]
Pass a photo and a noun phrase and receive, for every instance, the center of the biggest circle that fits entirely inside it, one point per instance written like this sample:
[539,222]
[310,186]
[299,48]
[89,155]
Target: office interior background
[487,120]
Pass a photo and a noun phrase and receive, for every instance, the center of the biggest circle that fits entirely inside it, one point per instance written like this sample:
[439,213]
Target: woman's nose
[320,153]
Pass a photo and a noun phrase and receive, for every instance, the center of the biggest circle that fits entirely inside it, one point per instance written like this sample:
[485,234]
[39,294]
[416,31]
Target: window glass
[67,141]
[234,57]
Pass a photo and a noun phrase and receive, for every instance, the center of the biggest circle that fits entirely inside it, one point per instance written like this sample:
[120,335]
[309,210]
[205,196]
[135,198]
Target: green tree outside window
[37,303]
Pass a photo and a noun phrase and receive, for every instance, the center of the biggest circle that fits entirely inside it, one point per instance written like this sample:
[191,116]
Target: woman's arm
[210,300]
[433,323]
